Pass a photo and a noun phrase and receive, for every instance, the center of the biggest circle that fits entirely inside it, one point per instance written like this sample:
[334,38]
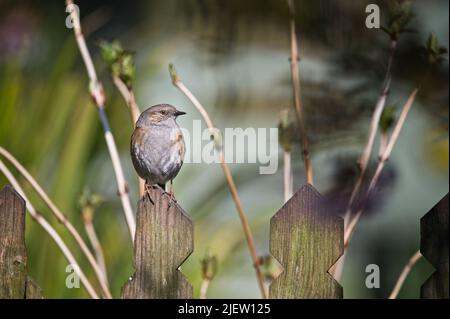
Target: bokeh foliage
[48,121]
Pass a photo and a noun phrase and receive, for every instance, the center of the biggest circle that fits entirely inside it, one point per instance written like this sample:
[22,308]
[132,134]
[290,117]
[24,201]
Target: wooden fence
[305,237]
[14,281]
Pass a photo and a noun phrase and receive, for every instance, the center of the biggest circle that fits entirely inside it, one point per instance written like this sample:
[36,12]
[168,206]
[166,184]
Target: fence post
[434,247]
[14,282]
[307,240]
[164,240]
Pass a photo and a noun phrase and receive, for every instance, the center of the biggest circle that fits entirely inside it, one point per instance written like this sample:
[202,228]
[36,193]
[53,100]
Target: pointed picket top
[434,245]
[164,240]
[9,192]
[306,239]
[14,282]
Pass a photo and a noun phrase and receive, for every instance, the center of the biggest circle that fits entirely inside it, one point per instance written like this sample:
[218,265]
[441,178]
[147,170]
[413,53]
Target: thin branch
[229,178]
[374,124]
[381,163]
[209,270]
[93,238]
[128,96]
[50,230]
[295,74]
[288,176]
[204,288]
[405,272]
[61,218]
[384,139]
[363,161]
[96,90]
[398,126]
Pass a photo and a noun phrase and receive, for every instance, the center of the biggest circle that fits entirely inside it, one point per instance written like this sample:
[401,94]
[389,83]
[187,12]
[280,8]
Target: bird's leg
[147,192]
[171,192]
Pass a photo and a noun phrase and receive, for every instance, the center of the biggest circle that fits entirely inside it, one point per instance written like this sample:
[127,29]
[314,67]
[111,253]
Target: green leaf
[432,43]
[434,52]
[173,73]
[120,62]
[88,198]
[400,14]
[209,266]
[127,68]
[388,118]
[110,51]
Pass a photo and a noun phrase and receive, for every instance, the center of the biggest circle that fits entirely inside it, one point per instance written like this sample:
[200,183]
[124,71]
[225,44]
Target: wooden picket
[164,240]
[434,247]
[307,239]
[14,281]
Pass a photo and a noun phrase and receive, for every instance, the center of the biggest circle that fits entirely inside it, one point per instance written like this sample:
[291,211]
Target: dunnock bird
[157,146]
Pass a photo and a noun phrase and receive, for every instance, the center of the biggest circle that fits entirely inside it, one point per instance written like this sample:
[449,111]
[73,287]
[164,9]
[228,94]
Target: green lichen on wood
[164,240]
[307,240]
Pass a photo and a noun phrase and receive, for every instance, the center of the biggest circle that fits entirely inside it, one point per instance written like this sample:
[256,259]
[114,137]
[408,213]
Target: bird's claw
[172,199]
[171,195]
[147,193]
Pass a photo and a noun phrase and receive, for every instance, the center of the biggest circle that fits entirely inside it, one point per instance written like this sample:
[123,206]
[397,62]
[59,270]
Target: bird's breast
[157,153]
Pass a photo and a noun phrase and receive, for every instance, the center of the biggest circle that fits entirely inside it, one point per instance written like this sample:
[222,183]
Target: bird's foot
[171,194]
[147,192]
[172,199]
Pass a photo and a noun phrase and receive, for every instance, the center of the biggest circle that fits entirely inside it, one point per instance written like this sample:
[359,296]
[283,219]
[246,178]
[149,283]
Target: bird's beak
[178,113]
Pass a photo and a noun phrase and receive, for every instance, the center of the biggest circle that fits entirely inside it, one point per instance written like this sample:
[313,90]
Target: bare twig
[288,176]
[286,134]
[128,96]
[61,218]
[204,288]
[295,74]
[384,138]
[405,272]
[50,230]
[363,161]
[209,270]
[93,238]
[381,163]
[96,90]
[229,178]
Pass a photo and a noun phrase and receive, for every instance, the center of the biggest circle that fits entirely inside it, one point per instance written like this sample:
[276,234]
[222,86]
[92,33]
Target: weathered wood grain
[14,283]
[434,247]
[32,290]
[13,256]
[164,240]
[307,240]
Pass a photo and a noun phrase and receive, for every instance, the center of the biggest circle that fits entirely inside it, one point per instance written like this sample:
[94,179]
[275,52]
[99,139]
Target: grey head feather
[160,114]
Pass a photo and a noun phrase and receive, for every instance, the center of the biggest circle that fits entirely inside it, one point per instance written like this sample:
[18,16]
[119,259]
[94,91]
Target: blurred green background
[234,56]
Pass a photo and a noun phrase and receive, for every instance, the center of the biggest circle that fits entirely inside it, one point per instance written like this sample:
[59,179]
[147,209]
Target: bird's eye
[164,112]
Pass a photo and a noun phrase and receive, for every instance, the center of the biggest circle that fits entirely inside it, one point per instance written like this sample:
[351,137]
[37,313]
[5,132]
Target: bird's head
[158,114]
